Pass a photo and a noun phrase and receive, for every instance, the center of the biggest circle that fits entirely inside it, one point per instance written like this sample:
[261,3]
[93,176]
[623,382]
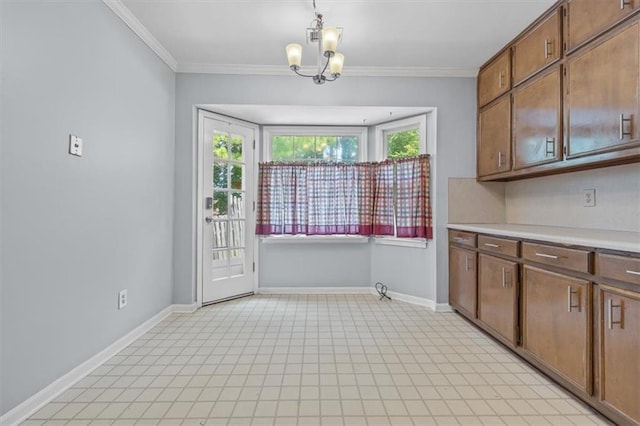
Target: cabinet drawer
[618,267]
[498,245]
[574,259]
[463,238]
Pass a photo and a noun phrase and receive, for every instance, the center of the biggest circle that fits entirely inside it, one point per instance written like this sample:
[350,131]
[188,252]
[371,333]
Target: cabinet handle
[548,256]
[632,272]
[622,121]
[611,321]
[548,46]
[550,142]
[501,80]
[467,266]
[624,3]
[505,278]
[492,245]
[500,162]
[571,292]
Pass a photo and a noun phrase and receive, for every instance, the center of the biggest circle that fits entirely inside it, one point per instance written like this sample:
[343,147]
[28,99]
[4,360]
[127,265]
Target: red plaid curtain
[337,198]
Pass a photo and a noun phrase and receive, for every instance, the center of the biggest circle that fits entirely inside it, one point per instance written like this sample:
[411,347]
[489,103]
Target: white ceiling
[380,38]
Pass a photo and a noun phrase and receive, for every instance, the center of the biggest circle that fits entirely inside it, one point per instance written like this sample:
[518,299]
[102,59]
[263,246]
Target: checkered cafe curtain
[338,198]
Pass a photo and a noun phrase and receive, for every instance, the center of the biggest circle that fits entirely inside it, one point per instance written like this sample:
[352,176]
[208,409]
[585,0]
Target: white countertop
[596,238]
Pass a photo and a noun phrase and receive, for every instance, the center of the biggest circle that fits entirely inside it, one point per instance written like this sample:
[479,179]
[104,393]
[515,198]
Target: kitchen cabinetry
[556,323]
[619,333]
[494,143]
[537,130]
[495,79]
[571,311]
[538,48]
[462,278]
[603,94]
[573,101]
[588,18]
[463,294]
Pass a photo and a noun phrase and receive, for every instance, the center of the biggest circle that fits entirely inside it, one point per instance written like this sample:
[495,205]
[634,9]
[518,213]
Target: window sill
[401,242]
[314,239]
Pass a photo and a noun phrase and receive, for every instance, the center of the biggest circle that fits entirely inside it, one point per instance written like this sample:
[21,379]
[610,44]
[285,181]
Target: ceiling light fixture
[327,39]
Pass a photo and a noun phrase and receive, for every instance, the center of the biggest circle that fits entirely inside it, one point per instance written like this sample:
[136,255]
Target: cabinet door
[494,142]
[497,295]
[619,345]
[587,18]
[538,48]
[494,79]
[462,280]
[536,121]
[603,95]
[555,323]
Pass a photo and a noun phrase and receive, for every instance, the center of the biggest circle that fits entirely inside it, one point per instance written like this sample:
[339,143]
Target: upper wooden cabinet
[494,138]
[588,18]
[603,89]
[494,79]
[537,48]
[537,118]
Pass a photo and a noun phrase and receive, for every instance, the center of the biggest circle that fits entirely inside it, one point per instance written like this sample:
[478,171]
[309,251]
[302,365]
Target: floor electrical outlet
[122,299]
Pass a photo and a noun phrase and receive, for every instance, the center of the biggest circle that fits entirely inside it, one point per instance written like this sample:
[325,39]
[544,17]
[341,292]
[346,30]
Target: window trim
[270,131]
[417,122]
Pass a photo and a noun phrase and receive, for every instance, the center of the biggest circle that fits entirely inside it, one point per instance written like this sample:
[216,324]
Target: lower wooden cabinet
[619,352]
[462,280]
[498,295]
[571,311]
[556,323]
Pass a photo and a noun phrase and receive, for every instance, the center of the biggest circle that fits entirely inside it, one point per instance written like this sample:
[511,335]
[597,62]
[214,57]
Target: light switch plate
[589,197]
[75,145]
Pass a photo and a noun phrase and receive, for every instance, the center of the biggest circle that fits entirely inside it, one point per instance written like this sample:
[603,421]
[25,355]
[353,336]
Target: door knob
[208,219]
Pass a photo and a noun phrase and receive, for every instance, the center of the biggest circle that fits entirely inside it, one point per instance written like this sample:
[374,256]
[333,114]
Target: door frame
[200,184]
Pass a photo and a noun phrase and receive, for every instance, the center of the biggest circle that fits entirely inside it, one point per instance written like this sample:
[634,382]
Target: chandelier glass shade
[327,39]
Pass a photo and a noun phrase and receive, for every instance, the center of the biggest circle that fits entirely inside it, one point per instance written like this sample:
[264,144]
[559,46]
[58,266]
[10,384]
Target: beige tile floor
[314,360]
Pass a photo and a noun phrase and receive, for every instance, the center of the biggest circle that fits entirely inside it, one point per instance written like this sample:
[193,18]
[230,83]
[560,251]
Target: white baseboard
[28,407]
[314,290]
[414,300]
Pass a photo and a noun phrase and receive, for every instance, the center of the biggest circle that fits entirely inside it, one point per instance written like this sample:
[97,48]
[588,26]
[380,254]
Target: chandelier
[327,39]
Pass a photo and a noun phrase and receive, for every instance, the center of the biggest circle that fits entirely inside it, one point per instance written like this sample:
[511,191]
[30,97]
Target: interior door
[228,224]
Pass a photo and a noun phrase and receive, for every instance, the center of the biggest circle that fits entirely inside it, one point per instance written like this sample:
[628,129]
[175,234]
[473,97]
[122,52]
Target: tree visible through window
[288,148]
[403,144]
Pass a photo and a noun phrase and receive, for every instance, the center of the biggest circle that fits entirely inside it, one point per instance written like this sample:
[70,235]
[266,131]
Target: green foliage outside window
[227,170]
[315,148]
[403,144]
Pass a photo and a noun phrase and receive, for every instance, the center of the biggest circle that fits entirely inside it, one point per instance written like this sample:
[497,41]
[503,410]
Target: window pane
[282,148]
[304,148]
[347,149]
[236,233]
[236,177]
[220,150]
[219,175]
[237,205]
[220,203]
[403,144]
[219,234]
[236,148]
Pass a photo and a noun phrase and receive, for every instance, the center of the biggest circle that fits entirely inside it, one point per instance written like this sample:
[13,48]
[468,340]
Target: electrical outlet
[75,145]
[589,197]
[122,299]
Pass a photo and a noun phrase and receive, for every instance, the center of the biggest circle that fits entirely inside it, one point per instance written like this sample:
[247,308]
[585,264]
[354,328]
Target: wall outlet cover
[75,145]
[589,197]
[122,299]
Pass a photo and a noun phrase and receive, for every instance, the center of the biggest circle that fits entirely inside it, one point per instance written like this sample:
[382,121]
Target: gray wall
[77,230]
[453,97]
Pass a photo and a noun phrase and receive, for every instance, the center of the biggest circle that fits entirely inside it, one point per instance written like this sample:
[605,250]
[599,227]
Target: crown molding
[201,68]
[141,31]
